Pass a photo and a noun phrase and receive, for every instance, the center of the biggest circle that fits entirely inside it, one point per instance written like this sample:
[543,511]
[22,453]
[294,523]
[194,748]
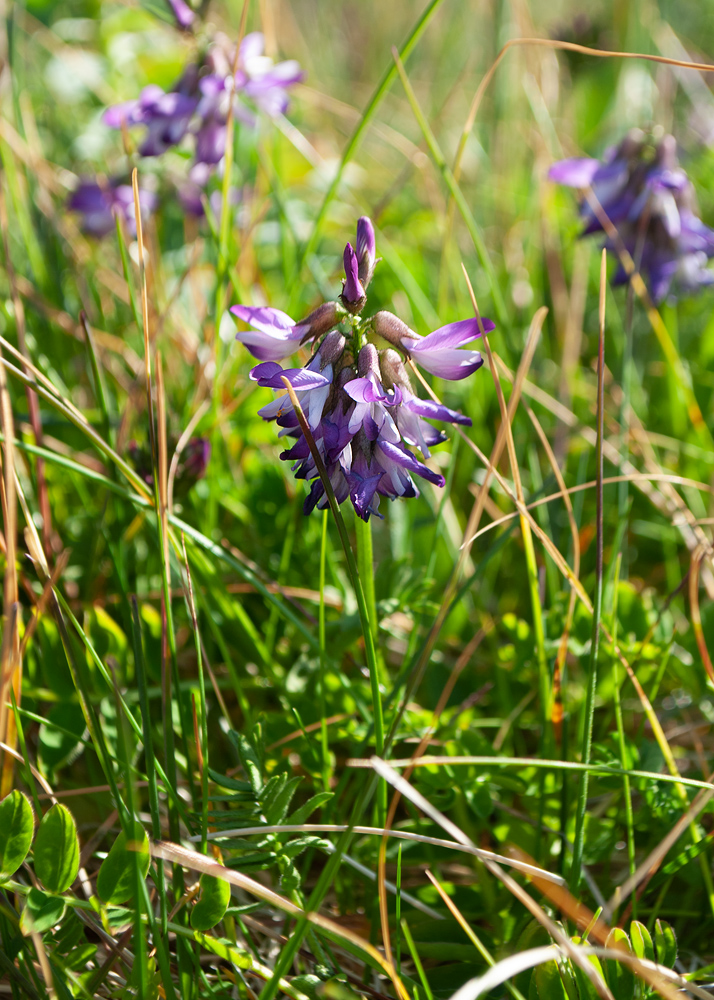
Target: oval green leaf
[57,849]
[41,912]
[212,903]
[116,881]
[619,976]
[641,941]
[17,825]
[548,982]
[665,944]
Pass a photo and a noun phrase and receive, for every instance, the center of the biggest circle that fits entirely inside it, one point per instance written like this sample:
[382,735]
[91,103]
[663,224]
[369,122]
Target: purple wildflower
[363,414]
[197,106]
[649,199]
[99,202]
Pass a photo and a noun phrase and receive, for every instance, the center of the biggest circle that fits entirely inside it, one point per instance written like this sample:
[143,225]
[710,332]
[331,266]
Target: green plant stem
[324,744]
[629,817]
[370,649]
[578,845]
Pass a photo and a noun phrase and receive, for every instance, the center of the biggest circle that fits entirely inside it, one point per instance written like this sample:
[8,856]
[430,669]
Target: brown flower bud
[368,361]
[389,326]
[393,371]
[320,320]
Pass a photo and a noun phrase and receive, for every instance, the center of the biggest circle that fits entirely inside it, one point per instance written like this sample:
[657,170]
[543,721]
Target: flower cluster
[195,110]
[358,401]
[198,105]
[650,200]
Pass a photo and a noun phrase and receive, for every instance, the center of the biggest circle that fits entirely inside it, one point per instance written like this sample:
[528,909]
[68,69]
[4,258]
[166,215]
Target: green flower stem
[579,842]
[369,646]
[323,656]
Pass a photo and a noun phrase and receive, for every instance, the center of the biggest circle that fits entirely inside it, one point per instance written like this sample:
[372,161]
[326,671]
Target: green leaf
[41,912]
[302,813]
[60,737]
[17,824]
[249,760]
[665,944]
[116,882]
[275,812]
[56,849]
[642,941]
[212,903]
[619,977]
[585,988]
[548,984]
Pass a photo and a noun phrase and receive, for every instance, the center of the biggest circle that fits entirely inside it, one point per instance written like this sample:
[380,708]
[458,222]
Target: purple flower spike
[366,254]
[274,335]
[183,13]
[649,199]
[438,353]
[358,402]
[352,292]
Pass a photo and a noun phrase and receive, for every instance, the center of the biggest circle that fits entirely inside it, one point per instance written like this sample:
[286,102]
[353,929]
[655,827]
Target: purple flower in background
[197,107]
[183,13]
[363,414]
[649,199]
[98,203]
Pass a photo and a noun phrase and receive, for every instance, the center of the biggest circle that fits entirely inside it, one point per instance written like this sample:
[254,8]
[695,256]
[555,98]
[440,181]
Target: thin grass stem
[589,716]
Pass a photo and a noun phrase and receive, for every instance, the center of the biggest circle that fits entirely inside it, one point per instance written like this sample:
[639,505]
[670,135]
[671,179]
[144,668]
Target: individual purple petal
[270,376]
[366,253]
[576,172]
[352,292]
[182,12]
[452,335]
[447,363]
[406,460]
[275,335]
[436,411]
[264,318]
[366,390]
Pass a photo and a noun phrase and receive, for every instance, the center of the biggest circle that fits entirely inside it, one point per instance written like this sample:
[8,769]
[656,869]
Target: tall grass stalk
[589,708]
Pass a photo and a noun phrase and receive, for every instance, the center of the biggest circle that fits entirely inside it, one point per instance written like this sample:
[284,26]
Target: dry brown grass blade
[10,660]
[652,862]
[697,557]
[664,504]
[458,667]
[416,798]
[199,862]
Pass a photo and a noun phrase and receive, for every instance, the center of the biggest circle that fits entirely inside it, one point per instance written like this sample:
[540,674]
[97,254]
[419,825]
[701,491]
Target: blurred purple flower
[358,401]
[183,13]
[98,203]
[199,102]
[650,200]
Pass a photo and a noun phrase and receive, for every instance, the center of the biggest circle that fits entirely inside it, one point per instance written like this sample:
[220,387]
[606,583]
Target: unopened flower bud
[393,329]
[320,320]
[393,371]
[332,348]
[352,291]
[366,257]
[368,361]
